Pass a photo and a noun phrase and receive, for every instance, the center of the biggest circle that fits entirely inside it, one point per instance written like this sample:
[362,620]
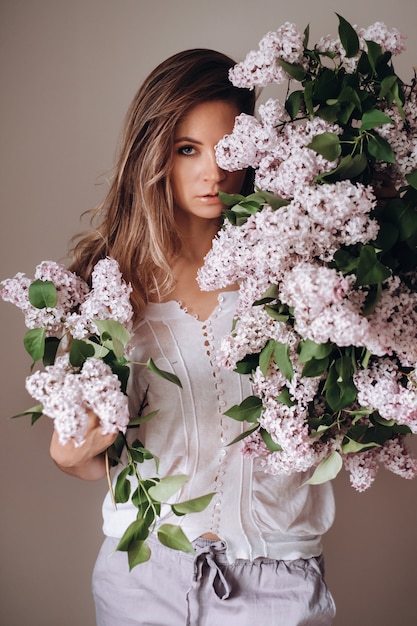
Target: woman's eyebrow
[189,139]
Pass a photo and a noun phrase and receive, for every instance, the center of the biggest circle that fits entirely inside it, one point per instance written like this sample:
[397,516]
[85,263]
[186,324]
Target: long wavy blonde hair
[136,223]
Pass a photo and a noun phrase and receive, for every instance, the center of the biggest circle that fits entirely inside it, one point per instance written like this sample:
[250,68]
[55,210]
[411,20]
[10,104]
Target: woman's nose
[212,171]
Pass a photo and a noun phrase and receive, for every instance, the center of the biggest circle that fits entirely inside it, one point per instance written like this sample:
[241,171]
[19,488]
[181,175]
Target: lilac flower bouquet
[325,256]
[81,336]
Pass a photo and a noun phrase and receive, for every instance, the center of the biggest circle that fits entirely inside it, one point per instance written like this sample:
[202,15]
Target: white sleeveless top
[256,514]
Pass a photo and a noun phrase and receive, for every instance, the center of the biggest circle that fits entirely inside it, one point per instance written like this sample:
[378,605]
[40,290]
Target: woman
[257,545]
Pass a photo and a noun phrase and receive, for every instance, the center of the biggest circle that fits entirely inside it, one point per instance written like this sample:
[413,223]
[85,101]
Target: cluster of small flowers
[71,292]
[389,40]
[402,137]
[68,393]
[108,299]
[394,456]
[278,152]
[261,67]
[77,305]
[67,396]
[271,243]
[291,248]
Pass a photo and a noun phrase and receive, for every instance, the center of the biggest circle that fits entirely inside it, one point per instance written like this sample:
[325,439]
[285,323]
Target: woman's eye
[186,150]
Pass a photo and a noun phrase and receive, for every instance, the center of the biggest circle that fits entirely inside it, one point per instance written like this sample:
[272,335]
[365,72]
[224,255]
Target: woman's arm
[86,461]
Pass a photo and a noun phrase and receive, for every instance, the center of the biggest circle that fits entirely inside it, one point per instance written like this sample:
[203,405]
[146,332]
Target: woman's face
[196,178]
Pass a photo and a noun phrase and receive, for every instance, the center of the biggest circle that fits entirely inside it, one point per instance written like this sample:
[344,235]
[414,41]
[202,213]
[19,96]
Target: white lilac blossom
[379,388]
[279,154]
[261,66]
[67,396]
[71,291]
[264,249]
[402,137]
[77,305]
[393,455]
[390,40]
[326,317]
[74,384]
[108,299]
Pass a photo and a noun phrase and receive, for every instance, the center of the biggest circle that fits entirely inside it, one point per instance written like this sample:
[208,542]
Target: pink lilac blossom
[393,455]
[77,306]
[393,324]
[252,331]
[291,248]
[68,395]
[272,113]
[290,165]
[288,428]
[389,40]
[362,469]
[322,309]
[109,299]
[71,291]
[380,388]
[315,224]
[246,145]
[280,156]
[261,67]
[402,138]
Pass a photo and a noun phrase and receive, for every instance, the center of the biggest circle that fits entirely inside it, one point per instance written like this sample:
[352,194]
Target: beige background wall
[67,73]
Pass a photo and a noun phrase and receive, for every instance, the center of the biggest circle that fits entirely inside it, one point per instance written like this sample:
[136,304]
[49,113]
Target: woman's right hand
[86,461]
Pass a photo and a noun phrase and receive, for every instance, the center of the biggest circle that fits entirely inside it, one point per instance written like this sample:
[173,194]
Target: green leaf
[348,37]
[373,119]
[293,103]
[276,314]
[248,364]
[123,487]
[36,412]
[339,389]
[79,352]
[114,336]
[42,294]
[245,434]
[167,486]
[136,531]
[285,398]
[308,96]
[388,84]
[412,179]
[272,445]
[229,199]
[315,367]
[311,350]
[34,342]
[247,411]
[282,359]
[326,144]
[327,470]
[142,419]
[139,552]
[51,348]
[370,270]
[380,149]
[269,295]
[265,356]
[294,70]
[353,447]
[173,537]
[162,373]
[192,506]
[349,167]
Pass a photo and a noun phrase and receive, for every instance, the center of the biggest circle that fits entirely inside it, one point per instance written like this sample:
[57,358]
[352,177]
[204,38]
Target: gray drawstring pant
[182,589]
